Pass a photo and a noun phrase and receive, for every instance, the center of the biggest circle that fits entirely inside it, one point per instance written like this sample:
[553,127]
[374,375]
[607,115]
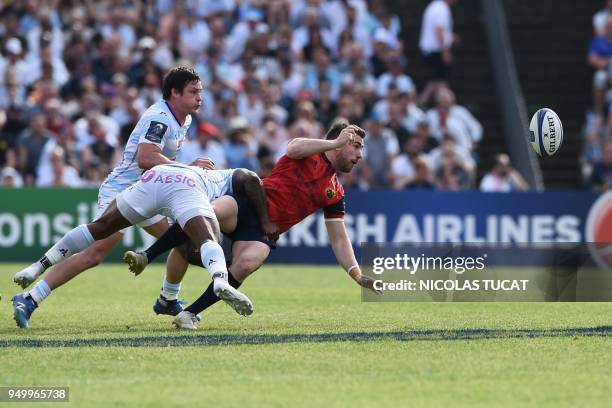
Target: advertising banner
[33,219]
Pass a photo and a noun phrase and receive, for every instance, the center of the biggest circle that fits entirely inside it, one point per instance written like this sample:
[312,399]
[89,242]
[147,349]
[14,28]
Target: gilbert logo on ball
[545,132]
[599,231]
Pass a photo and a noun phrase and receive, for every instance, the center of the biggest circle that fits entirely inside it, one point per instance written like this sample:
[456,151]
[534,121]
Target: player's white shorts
[169,192]
[106,195]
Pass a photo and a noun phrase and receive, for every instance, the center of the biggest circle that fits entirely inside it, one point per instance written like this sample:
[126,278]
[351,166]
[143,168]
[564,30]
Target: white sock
[74,241]
[170,290]
[214,260]
[40,291]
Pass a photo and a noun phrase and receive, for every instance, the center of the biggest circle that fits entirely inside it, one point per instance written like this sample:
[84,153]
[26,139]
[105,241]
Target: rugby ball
[545,132]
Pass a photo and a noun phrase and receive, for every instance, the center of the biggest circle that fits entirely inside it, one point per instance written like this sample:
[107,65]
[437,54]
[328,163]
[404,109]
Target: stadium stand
[272,71]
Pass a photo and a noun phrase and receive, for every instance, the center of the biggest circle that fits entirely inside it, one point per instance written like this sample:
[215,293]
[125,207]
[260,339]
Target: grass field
[311,342]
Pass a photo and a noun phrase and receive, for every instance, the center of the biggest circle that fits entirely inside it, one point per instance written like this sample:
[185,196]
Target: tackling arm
[150,155]
[341,245]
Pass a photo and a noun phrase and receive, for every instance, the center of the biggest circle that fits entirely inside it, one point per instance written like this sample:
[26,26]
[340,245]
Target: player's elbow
[144,162]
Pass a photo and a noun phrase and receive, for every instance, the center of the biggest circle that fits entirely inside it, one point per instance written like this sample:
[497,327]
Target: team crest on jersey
[330,192]
[156,131]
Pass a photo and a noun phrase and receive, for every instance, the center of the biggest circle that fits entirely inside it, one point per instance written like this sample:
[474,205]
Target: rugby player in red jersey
[302,181]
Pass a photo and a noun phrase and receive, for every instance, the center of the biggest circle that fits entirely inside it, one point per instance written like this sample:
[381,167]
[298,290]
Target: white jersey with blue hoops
[157,126]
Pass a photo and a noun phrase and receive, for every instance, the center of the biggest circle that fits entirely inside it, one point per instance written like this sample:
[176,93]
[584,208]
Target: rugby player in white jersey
[183,193]
[155,140]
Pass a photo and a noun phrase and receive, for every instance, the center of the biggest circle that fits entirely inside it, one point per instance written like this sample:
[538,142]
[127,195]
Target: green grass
[310,342]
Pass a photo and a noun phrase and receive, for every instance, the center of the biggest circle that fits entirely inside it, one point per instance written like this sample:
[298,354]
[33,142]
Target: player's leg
[75,241]
[226,211]
[247,257]
[167,302]
[82,261]
[204,232]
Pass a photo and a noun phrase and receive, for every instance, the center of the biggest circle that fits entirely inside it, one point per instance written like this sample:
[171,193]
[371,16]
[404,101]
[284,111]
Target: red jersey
[297,188]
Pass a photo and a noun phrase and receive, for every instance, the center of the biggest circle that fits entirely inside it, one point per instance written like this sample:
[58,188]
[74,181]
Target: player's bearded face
[350,155]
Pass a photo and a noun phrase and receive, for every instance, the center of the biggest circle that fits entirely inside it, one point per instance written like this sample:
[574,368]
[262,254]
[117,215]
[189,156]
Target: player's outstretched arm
[341,245]
[250,184]
[301,147]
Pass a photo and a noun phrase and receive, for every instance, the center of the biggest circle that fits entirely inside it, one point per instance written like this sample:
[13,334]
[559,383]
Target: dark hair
[338,126]
[178,78]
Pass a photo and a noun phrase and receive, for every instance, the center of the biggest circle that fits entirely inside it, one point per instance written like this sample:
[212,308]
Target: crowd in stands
[76,75]
[597,150]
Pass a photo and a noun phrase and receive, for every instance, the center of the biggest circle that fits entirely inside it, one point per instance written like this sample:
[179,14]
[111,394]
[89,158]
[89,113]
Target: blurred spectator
[306,124]
[503,178]
[436,42]
[312,26]
[396,123]
[592,151]
[31,144]
[444,120]
[272,136]
[600,19]
[600,53]
[450,148]
[359,74]
[423,135]
[61,174]
[98,150]
[601,176]
[325,106]
[240,145]
[452,173]
[138,69]
[238,37]
[472,126]
[7,145]
[207,144]
[402,165]
[194,35]
[380,149]
[423,179]
[13,67]
[10,177]
[395,74]
[322,69]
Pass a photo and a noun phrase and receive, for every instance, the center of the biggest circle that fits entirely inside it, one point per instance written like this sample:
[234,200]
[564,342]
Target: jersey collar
[173,115]
[329,163]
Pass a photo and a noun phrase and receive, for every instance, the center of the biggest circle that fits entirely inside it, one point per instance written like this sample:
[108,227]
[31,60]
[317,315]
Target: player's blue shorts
[248,227]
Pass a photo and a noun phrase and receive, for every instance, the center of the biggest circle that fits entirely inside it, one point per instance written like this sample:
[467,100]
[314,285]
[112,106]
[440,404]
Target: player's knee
[94,257]
[245,265]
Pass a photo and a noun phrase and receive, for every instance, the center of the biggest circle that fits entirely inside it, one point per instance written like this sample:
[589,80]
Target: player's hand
[271,230]
[366,282]
[346,136]
[203,162]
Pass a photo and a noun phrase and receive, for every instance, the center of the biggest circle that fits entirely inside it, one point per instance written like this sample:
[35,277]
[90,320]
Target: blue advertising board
[465,217]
